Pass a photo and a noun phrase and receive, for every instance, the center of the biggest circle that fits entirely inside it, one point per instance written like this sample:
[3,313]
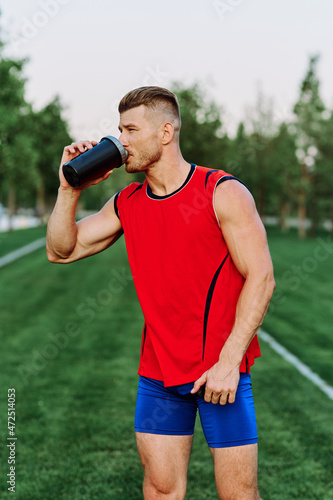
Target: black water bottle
[109,153]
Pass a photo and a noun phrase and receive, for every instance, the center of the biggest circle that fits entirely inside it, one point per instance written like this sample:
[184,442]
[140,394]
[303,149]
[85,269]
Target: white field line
[301,367]
[10,257]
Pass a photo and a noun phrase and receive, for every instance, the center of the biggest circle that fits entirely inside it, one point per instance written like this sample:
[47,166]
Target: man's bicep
[98,231]
[241,227]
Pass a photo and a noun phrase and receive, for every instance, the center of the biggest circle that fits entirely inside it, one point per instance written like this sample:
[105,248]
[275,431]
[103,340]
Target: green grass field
[70,341]
[10,241]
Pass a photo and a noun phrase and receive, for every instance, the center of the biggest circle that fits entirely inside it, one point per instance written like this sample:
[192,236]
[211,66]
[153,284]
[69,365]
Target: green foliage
[320,204]
[31,142]
[18,157]
[287,166]
[314,154]
[284,174]
[50,134]
[310,107]
[201,137]
[96,196]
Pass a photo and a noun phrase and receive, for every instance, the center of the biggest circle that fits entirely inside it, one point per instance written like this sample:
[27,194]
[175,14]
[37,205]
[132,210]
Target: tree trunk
[41,205]
[284,212]
[302,203]
[313,208]
[301,215]
[11,206]
[314,227]
[261,201]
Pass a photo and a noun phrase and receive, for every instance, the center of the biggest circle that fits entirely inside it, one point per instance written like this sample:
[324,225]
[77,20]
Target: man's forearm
[61,229]
[251,309]
[223,377]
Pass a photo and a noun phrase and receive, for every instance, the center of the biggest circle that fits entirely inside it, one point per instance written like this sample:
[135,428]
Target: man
[202,270]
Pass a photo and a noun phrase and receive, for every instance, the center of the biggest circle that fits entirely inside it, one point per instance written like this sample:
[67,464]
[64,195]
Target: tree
[50,135]
[261,174]
[286,172]
[239,154]
[201,138]
[324,169]
[309,112]
[17,154]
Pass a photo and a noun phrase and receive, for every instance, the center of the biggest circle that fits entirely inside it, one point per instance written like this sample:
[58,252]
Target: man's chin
[131,169]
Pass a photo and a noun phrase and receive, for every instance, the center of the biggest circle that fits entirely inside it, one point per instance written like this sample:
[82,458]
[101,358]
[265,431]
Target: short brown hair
[152,97]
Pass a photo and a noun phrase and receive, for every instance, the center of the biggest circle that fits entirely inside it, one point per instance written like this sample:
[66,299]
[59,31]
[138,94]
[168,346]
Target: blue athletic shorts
[172,411]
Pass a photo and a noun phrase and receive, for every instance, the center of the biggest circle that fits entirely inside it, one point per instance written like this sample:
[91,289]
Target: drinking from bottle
[108,154]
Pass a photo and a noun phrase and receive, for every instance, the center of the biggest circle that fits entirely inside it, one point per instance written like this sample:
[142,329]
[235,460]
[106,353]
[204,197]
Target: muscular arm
[68,240]
[245,236]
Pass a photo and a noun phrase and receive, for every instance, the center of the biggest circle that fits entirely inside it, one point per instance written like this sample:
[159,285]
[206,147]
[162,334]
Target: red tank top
[186,281]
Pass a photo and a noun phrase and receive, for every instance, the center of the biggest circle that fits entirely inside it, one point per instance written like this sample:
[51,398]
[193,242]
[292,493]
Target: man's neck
[167,176]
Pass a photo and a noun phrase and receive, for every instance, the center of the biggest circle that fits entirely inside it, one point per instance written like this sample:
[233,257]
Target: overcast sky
[92,53]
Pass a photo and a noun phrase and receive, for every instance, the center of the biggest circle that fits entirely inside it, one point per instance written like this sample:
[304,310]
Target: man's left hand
[221,384]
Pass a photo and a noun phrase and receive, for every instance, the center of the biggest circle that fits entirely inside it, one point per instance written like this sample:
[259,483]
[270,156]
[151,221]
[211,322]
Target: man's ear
[168,133]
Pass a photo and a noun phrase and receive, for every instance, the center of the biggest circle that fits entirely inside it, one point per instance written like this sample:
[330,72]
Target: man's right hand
[72,151]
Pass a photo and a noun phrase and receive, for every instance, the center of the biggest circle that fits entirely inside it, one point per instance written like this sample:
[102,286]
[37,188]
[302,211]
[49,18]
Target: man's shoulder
[210,176]
[214,177]
[207,172]
[129,190]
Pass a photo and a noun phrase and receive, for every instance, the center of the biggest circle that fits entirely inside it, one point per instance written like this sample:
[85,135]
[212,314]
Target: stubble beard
[143,161]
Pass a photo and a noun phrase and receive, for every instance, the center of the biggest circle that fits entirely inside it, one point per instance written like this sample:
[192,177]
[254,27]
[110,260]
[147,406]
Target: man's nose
[123,139]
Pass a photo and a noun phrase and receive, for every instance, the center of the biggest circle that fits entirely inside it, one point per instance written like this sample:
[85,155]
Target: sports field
[70,341]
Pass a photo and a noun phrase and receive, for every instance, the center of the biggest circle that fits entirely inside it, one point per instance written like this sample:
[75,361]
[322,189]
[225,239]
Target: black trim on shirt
[116,199]
[144,339]
[228,177]
[116,205]
[136,189]
[207,176]
[156,197]
[208,303]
